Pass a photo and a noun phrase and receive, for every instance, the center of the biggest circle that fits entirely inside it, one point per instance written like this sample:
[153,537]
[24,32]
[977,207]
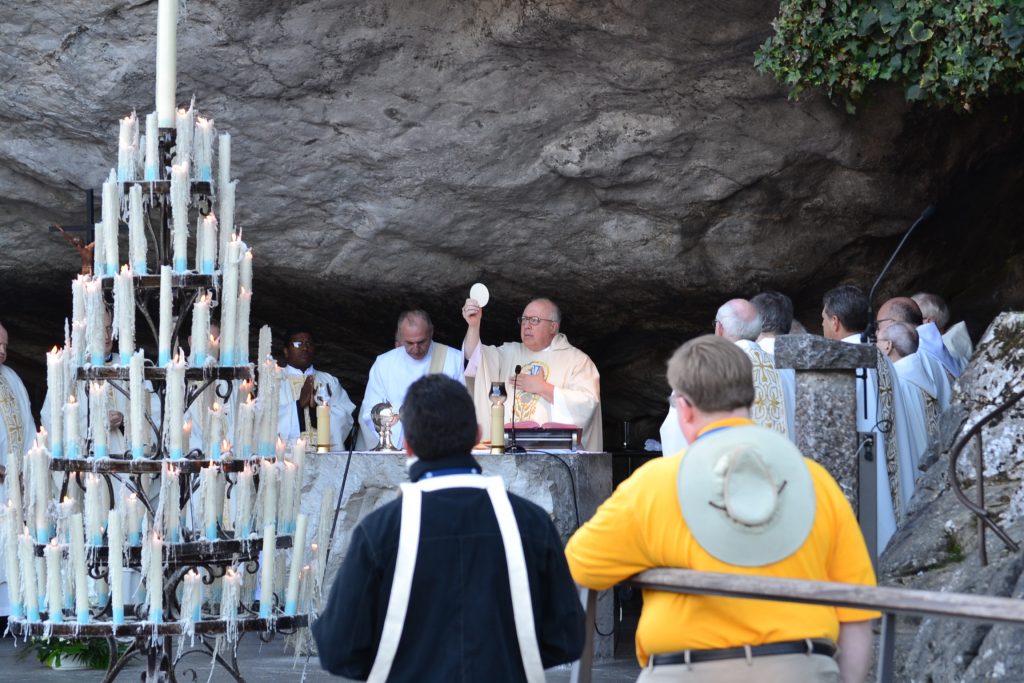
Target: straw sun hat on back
[746,495]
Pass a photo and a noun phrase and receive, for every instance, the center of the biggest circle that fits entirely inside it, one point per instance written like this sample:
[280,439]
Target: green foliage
[93,651]
[944,52]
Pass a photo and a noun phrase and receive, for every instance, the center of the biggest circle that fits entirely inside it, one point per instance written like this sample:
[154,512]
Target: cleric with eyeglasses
[304,388]
[556,383]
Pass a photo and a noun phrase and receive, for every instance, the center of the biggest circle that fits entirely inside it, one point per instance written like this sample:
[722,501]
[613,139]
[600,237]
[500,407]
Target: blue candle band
[176,454]
[151,172]
[57,451]
[17,610]
[118,615]
[83,617]
[156,616]
[205,173]
[289,608]
[207,267]
[96,358]
[164,357]
[43,535]
[33,612]
[72,450]
[138,452]
[99,450]
[140,268]
[126,358]
[227,358]
[135,538]
[266,449]
[180,265]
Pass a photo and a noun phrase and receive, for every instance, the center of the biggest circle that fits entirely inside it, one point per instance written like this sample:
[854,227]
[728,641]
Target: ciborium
[384,417]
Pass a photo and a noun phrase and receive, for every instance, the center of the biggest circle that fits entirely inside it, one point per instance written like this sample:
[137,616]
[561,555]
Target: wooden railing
[889,601]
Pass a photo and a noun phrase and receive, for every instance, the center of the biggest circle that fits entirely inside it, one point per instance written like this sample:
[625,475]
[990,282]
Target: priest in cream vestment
[557,382]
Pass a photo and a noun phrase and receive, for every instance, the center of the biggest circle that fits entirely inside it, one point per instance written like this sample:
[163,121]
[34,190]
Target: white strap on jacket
[408,544]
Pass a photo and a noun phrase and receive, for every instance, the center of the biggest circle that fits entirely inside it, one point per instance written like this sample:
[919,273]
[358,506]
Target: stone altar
[373,480]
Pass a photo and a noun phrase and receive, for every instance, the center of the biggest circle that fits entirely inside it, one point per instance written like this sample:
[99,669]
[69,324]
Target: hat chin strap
[749,490]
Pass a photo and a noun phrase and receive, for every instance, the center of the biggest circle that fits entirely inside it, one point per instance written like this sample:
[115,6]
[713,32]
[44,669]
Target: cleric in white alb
[304,388]
[415,355]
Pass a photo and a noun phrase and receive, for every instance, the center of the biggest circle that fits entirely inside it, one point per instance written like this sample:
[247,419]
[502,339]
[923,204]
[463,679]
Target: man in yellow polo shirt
[741,500]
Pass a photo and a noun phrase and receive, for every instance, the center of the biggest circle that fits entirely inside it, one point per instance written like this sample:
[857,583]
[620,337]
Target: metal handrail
[984,516]
[889,601]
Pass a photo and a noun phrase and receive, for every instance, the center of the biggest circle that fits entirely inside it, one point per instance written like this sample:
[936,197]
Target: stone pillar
[826,401]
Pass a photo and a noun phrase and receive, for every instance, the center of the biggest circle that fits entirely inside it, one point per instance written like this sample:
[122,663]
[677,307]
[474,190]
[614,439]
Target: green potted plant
[69,654]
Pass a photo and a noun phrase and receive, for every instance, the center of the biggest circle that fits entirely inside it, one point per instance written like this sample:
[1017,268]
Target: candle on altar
[180,192]
[55,360]
[136,231]
[214,437]
[166,60]
[54,599]
[200,330]
[124,313]
[323,425]
[111,208]
[152,147]
[12,529]
[175,400]
[229,302]
[78,564]
[137,397]
[267,573]
[127,147]
[207,244]
[99,418]
[204,148]
[285,523]
[115,563]
[298,557]
[155,579]
[211,500]
[135,509]
[242,334]
[27,555]
[243,509]
[95,317]
[93,509]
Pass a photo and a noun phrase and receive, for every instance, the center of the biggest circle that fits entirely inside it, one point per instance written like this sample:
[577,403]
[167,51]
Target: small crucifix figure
[84,249]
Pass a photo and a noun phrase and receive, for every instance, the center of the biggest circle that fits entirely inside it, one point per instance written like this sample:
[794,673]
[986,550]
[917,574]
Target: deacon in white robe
[898,342]
[776,312]
[557,383]
[415,355]
[303,388]
[956,339]
[932,344]
[17,430]
[958,342]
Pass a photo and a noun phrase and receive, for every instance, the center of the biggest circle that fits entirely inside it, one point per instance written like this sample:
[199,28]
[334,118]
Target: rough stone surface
[373,480]
[826,424]
[939,546]
[625,157]
[811,352]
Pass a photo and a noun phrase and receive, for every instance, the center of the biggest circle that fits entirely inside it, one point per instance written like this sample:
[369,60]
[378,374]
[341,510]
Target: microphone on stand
[514,447]
[868,335]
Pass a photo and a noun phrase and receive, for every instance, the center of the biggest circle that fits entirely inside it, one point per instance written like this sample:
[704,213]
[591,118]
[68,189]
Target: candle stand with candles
[188,529]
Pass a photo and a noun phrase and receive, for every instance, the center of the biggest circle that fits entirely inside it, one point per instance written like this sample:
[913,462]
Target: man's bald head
[901,309]
[738,319]
[933,309]
[898,340]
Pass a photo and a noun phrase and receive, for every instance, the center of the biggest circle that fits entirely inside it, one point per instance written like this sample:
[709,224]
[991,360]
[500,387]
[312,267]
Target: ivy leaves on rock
[943,52]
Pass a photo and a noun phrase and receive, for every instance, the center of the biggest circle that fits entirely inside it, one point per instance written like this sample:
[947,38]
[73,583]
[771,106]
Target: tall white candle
[243,509]
[244,424]
[78,563]
[268,491]
[166,61]
[137,244]
[285,523]
[93,509]
[115,563]
[194,596]
[27,555]
[185,121]
[263,347]
[55,388]
[134,508]
[171,522]
[242,334]
[95,316]
[15,465]
[152,147]
[180,194]
[211,485]
[298,558]
[155,579]
[204,148]
[267,573]
[124,313]
[39,485]
[223,160]
[99,419]
[127,147]
[215,431]
[166,317]
[226,212]
[99,250]
[54,599]
[245,270]
[12,529]
[111,220]
[206,244]
[200,330]
[229,303]
[175,401]
[138,397]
